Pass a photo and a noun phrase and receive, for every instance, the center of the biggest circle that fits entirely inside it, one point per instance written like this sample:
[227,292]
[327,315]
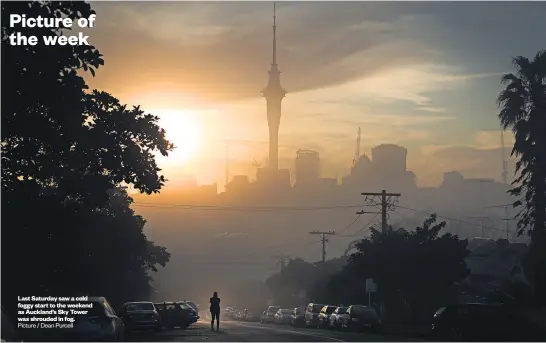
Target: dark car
[176,314]
[481,322]
[324,316]
[360,317]
[98,322]
[140,315]
[193,313]
[194,306]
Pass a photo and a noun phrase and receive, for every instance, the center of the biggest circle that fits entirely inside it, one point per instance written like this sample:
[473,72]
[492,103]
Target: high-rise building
[307,167]
[273,94]
[389,158]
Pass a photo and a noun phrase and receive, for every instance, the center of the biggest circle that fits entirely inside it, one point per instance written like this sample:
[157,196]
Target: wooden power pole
[384,196]
[324,239]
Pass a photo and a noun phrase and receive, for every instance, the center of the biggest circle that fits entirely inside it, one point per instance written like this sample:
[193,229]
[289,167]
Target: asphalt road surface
[233,331]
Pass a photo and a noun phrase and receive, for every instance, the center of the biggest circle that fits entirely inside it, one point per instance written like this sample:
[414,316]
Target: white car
[338,317]
[283,316]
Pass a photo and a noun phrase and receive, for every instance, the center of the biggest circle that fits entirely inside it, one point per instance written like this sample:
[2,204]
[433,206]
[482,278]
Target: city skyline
[393,75]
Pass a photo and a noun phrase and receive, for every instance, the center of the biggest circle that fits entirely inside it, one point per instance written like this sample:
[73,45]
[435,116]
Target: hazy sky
[423,75]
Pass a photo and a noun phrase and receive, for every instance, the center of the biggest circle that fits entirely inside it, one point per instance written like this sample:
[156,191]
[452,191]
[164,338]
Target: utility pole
[324,240]
[385,204]
[507,219]
[481,218]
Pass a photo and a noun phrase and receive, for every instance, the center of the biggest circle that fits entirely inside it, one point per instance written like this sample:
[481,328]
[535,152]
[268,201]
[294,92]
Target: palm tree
[523,110]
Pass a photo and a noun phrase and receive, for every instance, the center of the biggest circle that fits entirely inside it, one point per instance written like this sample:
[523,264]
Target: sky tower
[273,94]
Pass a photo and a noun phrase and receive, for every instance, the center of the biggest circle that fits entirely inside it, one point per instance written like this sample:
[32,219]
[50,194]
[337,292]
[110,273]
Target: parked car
[193,305]
[232,313]
[324,316]
[140,315]
[311,314]
[298,316]
[251,316]
[100,323]
[176,314]
[193,315]
[481,322]
[361,318]
[282,316]
[239,315]
[337,317]
[269,314]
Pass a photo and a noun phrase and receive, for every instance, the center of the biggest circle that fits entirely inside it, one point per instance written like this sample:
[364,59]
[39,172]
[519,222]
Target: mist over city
[383,157]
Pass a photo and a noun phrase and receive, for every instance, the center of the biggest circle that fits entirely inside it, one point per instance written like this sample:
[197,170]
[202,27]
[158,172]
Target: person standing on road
[215,311]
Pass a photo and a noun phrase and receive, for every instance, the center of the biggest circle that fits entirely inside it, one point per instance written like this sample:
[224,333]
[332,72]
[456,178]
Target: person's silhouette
[215,311]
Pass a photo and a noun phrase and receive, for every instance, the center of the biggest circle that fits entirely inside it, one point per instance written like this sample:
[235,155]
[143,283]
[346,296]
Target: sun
[183,129]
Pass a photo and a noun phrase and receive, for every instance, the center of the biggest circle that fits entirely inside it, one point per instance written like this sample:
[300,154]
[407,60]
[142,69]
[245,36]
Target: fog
[232,241]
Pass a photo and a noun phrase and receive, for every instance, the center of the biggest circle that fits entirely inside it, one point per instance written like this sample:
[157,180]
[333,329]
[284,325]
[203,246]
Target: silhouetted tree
[65,226]
[523,110]
[298,276]
[418,269]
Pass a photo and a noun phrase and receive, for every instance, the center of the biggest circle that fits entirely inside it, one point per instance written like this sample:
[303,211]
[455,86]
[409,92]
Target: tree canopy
[66,225]
[419,267]
[523,110]
[301,276]
[416,272]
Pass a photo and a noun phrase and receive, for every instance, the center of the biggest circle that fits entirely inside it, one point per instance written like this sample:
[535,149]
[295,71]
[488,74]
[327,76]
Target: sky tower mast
[273,94]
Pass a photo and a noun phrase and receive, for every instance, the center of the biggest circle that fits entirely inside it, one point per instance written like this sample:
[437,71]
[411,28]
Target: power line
[359,213]
[364,228]
[241,208]
[232,262]
[448,218]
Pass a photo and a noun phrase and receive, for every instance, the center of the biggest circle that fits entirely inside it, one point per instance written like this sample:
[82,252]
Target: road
[233,331]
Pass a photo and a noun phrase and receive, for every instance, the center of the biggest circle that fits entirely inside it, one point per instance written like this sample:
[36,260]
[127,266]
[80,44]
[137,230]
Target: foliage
[419,268]
[298,276]
[64,150]
[415,271]
[523,109]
